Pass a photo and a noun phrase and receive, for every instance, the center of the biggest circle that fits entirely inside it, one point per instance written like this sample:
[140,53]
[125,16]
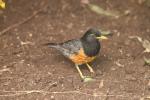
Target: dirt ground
[30,71]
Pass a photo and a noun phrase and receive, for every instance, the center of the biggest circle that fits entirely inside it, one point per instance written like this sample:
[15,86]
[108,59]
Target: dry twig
[25,92]
[21,22]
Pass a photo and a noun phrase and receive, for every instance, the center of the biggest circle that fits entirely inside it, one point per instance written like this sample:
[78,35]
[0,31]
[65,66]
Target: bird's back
[69,47]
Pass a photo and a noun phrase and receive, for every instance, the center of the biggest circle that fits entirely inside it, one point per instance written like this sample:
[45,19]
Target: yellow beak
[2,4]
[102,38]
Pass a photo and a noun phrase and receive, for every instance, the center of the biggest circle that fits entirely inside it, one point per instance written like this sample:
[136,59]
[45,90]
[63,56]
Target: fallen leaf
[27,42]
[101,84]
[101,11]
[147,61]
[2,4]
[106,33]
[118,64]
[88,79]
[145,43]
[147,3]
[4,70]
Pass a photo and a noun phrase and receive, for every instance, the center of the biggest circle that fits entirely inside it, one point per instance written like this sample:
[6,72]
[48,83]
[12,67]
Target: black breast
[91,47]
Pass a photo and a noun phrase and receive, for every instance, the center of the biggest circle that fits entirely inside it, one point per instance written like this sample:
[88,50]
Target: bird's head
[93,34]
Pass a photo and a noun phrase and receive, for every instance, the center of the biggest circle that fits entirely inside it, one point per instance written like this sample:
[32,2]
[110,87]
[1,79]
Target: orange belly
[81,58]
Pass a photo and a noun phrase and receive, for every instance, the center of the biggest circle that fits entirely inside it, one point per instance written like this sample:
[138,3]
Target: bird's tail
[51,44]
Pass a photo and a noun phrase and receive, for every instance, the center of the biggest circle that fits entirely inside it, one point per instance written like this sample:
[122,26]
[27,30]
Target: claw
[88,79]
[90,68]
[84,78]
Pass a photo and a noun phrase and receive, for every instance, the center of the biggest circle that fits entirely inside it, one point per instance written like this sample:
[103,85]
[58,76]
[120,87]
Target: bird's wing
[70,47]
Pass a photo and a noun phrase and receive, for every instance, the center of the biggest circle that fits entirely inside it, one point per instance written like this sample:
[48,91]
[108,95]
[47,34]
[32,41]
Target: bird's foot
[87,79]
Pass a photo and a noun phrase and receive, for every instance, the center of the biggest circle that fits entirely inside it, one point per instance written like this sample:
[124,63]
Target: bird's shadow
[101,64]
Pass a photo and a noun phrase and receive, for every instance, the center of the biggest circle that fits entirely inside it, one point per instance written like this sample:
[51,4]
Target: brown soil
[29,71]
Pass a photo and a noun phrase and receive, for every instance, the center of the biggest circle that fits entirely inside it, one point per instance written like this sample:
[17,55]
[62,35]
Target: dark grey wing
[70,47]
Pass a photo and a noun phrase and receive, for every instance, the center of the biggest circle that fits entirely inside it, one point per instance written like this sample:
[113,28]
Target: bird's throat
[91,48]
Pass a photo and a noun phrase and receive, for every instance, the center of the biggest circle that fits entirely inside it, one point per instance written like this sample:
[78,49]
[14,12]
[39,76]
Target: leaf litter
[146,45]
[97,9]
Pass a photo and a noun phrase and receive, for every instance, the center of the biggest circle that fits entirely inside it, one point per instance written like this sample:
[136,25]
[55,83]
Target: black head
[92,33]
[90,42]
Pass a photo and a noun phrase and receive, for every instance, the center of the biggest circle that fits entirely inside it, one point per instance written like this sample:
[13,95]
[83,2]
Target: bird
[81,51]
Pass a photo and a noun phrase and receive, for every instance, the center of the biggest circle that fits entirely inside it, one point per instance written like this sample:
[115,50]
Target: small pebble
[52,97]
